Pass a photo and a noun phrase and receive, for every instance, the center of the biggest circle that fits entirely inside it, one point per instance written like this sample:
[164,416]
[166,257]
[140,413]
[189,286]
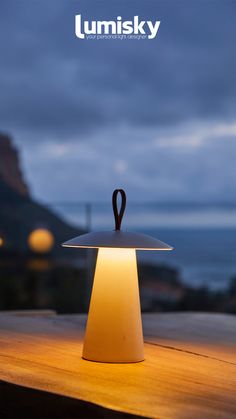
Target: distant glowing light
[41,240]
[1,242]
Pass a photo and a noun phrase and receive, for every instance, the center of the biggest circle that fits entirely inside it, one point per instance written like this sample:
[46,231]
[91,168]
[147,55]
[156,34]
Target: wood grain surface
[189,369]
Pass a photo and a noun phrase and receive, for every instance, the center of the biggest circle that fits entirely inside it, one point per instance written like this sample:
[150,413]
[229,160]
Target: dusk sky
[156,117]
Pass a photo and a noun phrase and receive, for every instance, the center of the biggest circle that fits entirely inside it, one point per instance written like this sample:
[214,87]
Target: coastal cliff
[19,213]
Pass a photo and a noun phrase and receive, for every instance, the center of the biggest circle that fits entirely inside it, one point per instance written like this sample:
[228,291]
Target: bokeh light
[41,240]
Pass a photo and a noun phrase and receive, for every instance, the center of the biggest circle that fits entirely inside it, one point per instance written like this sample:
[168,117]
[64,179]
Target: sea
[203,236]
[204,257]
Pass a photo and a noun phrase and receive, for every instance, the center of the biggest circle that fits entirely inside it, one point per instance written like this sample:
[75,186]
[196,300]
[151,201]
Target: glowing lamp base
[114,326]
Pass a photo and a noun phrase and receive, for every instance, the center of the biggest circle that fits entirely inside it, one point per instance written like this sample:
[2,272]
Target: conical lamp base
[114,326]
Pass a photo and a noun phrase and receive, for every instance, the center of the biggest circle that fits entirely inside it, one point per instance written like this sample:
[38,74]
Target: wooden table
[189,371]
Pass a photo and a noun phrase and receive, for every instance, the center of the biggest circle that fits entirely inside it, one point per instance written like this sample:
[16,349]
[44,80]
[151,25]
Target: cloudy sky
[156,117]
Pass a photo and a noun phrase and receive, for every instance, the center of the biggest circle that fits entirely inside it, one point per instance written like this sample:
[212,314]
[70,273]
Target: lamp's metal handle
[118,215]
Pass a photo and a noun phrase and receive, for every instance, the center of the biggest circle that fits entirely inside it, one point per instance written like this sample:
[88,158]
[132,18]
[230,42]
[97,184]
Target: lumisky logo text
[116,29]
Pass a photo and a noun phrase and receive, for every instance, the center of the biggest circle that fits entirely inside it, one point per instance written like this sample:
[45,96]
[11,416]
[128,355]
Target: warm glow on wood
[41,240]
[114,326]
[189,369]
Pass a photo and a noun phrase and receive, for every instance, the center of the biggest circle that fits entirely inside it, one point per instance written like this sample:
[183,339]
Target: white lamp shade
[114,326]
[117,239]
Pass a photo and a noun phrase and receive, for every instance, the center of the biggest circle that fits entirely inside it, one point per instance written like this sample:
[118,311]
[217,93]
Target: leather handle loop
[118,215]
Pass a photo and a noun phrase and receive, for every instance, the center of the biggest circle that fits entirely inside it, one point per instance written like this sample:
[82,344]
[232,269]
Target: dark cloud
[124,100]
[51,80]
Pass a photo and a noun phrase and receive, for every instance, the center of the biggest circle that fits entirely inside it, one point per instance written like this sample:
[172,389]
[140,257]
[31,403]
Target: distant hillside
[10,170]
[19,214]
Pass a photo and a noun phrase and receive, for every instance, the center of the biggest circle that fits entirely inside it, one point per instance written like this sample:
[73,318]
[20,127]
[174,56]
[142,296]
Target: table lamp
[114,325]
